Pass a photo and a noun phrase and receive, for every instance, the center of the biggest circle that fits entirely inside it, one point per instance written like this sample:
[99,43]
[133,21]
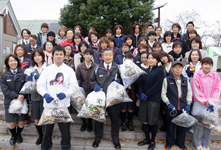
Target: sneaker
[191,130]
[204,148]
[27,123]
[199,148]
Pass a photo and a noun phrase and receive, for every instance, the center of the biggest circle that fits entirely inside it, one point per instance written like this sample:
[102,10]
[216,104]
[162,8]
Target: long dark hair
[40,51]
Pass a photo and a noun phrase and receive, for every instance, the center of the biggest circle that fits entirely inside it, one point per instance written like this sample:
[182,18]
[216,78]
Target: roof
[3,3]
[34,25]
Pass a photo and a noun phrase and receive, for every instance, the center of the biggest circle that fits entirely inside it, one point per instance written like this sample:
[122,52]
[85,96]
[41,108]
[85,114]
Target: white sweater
[49,83]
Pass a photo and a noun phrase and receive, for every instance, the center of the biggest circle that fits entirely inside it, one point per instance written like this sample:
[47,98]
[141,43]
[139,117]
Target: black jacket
[135,40]
[137,60]
[29,50]
[151,83]
[101,77]
[10,86]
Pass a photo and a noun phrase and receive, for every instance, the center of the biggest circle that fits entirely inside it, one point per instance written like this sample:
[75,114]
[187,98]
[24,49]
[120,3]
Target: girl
[12,76]
[78,30]
[149,90]
[193,66]
[176,53]
[91,29]
[77,38]
[113,45]
[158,31]
[143,40]
[129,40]
[104,43]
[205,95]
[167,44]
[69,41]
[176,36]
[38,65]
[108,33]
[144,61]
[93,39]
[61,35]
[83,73]
[192,34]
[51,37]
[141,48]
[21,53]
[48,47]
[119,37]
[152,37]
[25,33]
[78,58]
[157,47]
[68,60]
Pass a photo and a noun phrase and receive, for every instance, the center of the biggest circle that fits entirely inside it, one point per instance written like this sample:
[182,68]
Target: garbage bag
[30,86]
[77,100]
[94,107]
[208,119]
[185,120]
[18,107]
[130,72]
[55,112]
[116,93]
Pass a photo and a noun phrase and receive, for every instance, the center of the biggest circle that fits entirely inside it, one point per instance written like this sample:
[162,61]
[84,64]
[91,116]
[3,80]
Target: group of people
[177,75]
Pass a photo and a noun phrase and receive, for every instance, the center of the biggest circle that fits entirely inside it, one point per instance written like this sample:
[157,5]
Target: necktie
[108,68]
[20,60]
[26,42]
[14,74]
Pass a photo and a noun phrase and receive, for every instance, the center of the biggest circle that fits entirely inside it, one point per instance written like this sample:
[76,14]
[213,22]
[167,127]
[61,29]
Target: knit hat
[51,33]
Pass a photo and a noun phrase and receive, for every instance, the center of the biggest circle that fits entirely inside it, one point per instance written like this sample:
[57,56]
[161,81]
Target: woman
[61,37]
[25,33]
[141,48]
[38,65]
[78,58]
[177,53]
[93,39]
[21,53]
[70,33]
[191,34]
[136,34]
[158,31]
[193,66]
[113,45]
[196,44]
[51,37]
[68,60]
[108,33]
[91,29]
[157,47]
[176,36]
[167,45]
[78,30]
[83,73]
[129,40]
[142,40]
[104,43]
[48,47]
[12,76]
[205,96]
[119,37]
[77,38]
[150,96]
[143,57]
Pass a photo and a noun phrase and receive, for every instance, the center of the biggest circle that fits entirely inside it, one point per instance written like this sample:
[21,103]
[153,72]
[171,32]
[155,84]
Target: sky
[50,9]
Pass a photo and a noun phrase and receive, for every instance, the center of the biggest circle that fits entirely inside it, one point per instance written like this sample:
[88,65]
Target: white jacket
[56,79]
[197,67]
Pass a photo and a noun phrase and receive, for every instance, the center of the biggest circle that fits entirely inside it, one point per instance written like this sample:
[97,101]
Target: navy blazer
[119,59]
[26,63]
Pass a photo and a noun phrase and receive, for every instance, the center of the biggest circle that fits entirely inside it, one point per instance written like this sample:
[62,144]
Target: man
[33,44]
[101,78]
[189,27]
[177,94]
[57,81]
[149,29]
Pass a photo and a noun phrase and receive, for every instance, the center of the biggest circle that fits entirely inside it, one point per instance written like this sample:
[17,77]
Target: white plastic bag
[185,120]
[208,119]
[55,112]
[130,72]
[30,86]
[116,93]
[94,107]
[77,100]
[18,107]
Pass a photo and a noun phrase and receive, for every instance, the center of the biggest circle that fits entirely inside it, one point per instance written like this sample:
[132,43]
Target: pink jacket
[205,87]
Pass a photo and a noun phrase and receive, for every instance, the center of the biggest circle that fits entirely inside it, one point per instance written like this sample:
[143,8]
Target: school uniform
[47,84]
[74,51]
[101,77]
[93,47]
[137,60]
[97,57]
[159,39]
[8,80]
[116,51]
[119,40]
[25,43]
[177,92]
[136,39]
[30,49]
[178,38]
[167,48]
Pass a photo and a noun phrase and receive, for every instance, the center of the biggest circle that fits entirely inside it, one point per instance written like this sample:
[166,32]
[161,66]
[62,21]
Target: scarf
[48,57]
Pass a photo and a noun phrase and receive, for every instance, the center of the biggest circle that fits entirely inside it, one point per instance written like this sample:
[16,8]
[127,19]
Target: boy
[42,35]
[177,94]
[33,44]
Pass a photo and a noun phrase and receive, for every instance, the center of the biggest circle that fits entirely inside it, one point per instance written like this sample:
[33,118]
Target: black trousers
[180,131]
[114,112]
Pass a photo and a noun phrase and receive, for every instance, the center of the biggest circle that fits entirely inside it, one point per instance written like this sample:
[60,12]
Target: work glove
[210,108]
[187,108]
[48,98]
[170,106]
[36,77]
[143,97]
[30,78]
[118,80]
[61,96]
[97,88]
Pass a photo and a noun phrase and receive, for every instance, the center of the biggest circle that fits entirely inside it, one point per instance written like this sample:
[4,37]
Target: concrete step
[76,133]
[86,144]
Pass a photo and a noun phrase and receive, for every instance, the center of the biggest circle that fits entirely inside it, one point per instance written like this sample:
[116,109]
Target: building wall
[8,28]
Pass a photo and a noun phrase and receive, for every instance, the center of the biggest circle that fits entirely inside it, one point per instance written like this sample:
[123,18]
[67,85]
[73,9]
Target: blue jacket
[74,51]
[119,40]
[29,50]
[151,83]
[116,51]
[137,60]
[39,42]
[98,57]
[119,59]
[92,47]
[177,39]
[26,63]
[172,92]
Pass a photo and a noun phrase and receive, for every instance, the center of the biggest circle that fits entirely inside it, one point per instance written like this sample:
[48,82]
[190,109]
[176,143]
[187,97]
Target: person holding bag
[205,87]
[12,76]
